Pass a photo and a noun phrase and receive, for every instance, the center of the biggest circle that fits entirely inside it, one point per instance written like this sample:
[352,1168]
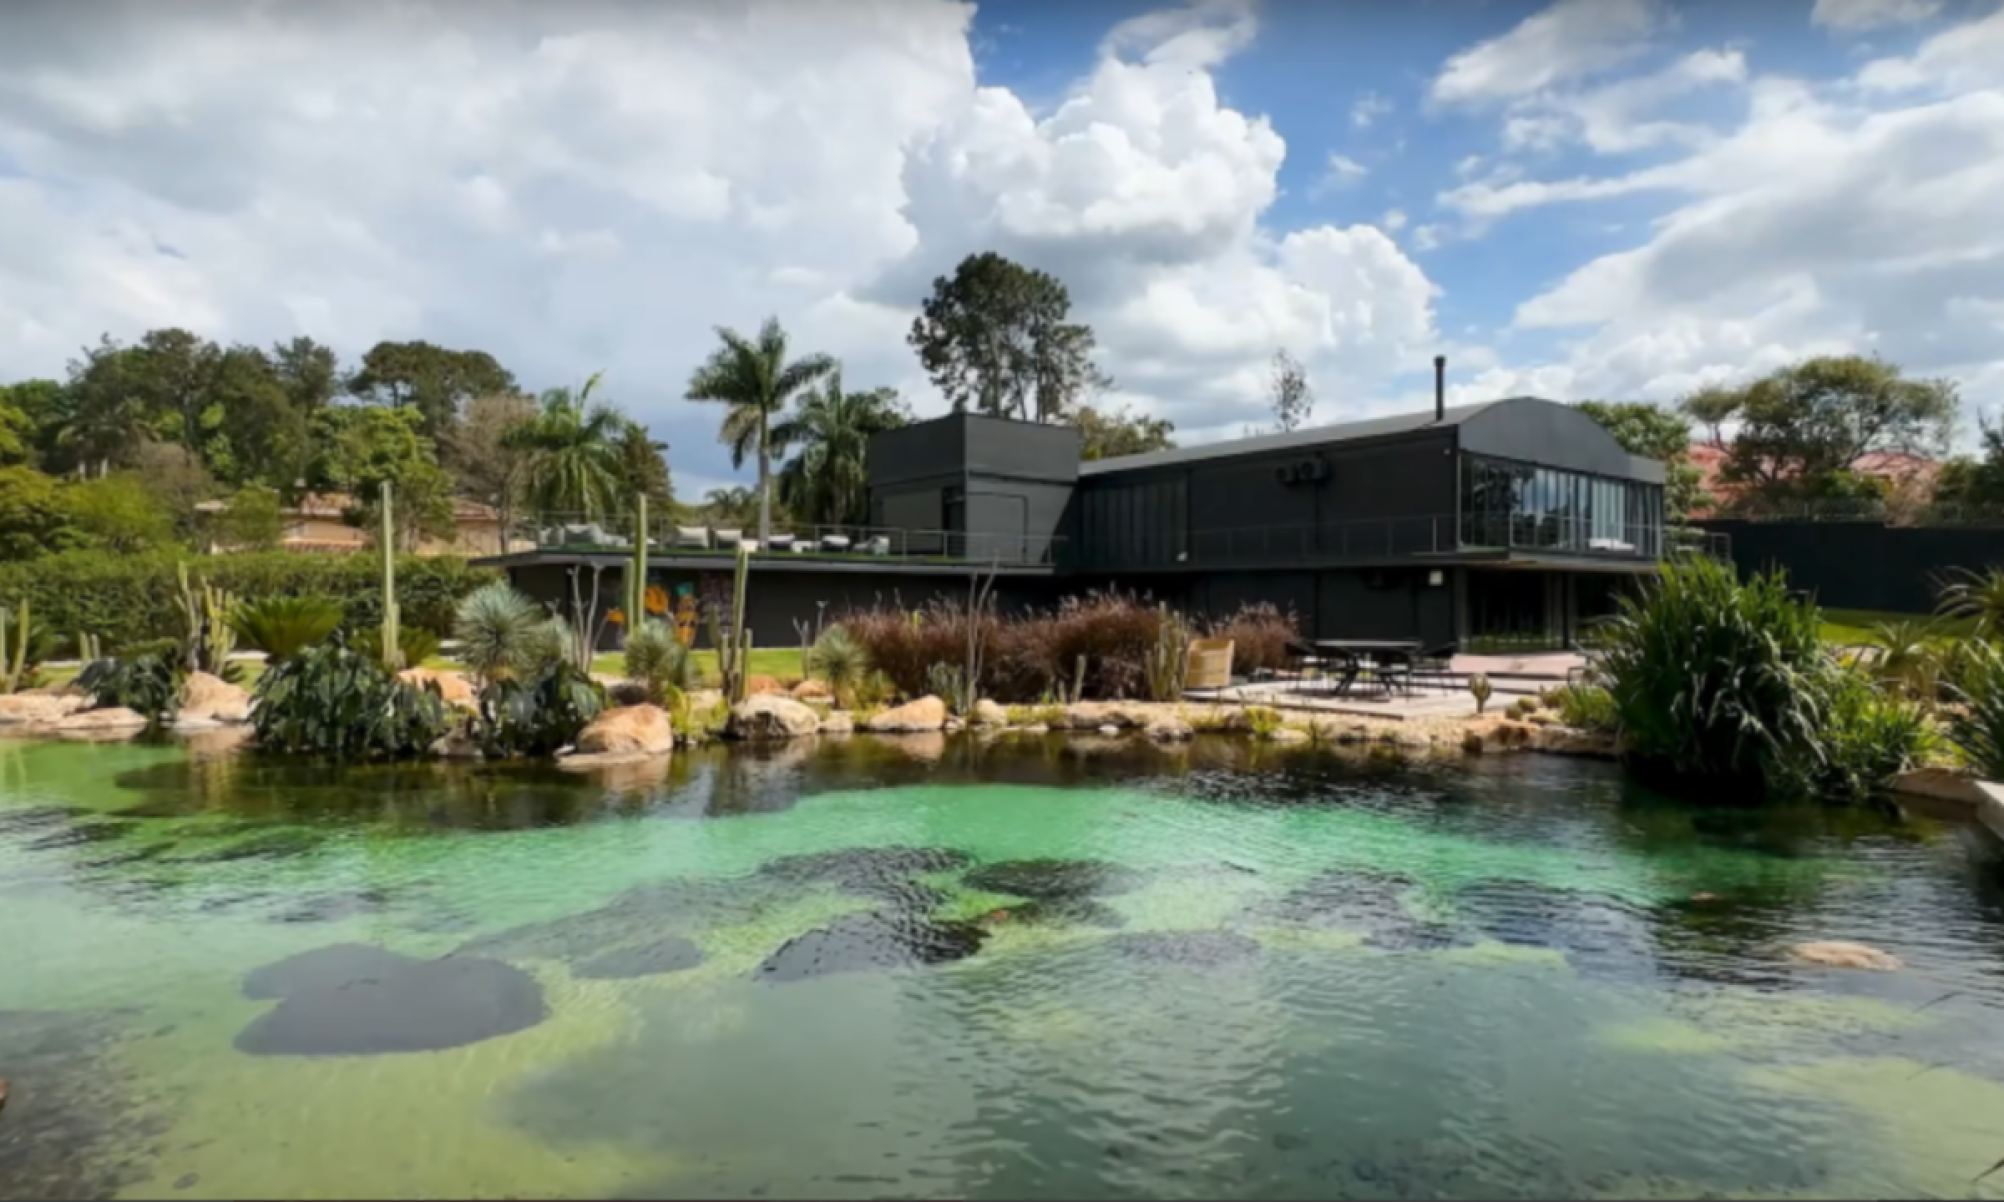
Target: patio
[1511,675]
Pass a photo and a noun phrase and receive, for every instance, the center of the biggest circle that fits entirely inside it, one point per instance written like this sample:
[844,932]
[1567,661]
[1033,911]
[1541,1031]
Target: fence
[1861,565]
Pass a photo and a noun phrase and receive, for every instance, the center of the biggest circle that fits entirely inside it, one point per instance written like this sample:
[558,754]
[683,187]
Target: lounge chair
[695,537]
[879,545]
[779,542]
[834,542]
[728,540]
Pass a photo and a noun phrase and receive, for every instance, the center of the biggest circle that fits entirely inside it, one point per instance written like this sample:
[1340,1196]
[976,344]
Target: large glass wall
[1506,504]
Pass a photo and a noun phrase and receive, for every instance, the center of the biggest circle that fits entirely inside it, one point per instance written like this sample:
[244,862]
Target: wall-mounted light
[1435,578]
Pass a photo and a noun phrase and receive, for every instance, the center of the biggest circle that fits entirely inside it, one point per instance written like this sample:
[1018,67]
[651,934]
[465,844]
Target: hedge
[132,598]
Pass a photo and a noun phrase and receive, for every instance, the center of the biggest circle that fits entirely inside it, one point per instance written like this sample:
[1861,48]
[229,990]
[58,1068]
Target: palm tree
[756,381]
[575,452]
[730,505]
[832,428]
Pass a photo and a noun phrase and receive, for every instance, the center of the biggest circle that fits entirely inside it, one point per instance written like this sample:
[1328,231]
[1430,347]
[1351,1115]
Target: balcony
[579,534]
[1374,541]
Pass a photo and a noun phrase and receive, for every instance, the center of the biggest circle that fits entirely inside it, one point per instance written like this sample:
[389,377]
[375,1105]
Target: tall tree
[1974,482]
[643,470]
[367,447]
[1288,391]
[486,462]
[1655,432]
[1802,430]
[431,379]
[574,453]
[994,337]
[252,430]
[826,482]
[754,379]
[1109,433]
[309,372]
[108,409]
[43,408]
[735,506]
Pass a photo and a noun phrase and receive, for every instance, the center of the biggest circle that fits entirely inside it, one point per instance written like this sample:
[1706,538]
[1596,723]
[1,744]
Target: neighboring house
[1908,476]
[317,522]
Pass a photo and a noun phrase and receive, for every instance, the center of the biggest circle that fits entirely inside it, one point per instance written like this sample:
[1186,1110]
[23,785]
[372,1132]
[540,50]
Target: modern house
[1504,523]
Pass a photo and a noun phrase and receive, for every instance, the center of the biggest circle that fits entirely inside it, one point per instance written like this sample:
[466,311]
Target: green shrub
[126,599]
[841,661]
[1867,738]
[330,699]
[497,628]
[1585,707]
[657,661]
[1263,722]
[538,715]
[1976,727]
[148,685]
[1712,678]
[281,627]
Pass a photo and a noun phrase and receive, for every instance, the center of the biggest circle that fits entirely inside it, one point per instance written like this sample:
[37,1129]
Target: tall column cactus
[735,643]
[393,655]
[205,614]
[636,573]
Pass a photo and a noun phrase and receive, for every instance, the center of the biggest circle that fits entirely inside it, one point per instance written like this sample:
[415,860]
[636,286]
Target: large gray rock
[771,716]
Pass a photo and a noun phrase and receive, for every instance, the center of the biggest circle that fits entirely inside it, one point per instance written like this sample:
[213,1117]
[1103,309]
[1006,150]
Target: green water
[954,969]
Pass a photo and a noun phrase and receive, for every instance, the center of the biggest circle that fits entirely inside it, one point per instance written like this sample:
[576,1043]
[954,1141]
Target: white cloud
[1871,14]
[1393,220]
[1368,108]
[1571,40]
[1341,171]
[1833,217]
[595,185]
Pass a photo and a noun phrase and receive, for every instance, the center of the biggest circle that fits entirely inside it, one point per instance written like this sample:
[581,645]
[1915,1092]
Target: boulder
[453,687]
[838,723]
[1109,730]
[215,699]
[771,716]
[628,730]
[1091,715]
[989,713]
[759,685]
[1565,740]
[1839,954]
[1168,729]
[813,690]
[30,708]
[914,717]
[457,744]
[92,721]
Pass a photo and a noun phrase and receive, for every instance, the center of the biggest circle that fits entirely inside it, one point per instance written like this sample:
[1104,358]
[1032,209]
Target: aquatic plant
[657,661]
[1263,721]
[281,627]
[498,629]
[1714,678]
[1480,688]
[838,658]
[330,699]
[148,685]
[538,715]
[1867,737]
[1976,724]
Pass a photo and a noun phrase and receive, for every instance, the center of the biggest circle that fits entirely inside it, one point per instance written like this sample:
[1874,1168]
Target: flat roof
[1312,436]
[611,558]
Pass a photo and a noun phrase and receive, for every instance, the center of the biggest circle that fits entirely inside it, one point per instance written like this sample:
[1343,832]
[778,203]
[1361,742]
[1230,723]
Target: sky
[1605,199]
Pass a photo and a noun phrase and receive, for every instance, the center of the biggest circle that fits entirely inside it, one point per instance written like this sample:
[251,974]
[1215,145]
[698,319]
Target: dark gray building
[1503,524]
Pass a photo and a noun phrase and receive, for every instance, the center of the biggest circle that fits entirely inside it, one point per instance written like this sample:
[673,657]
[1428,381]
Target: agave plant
[498,630]
[841,661]
[1908,660]
[658,661]
[282,627]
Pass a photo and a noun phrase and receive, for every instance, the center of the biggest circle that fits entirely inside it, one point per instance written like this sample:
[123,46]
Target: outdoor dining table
[1350,655]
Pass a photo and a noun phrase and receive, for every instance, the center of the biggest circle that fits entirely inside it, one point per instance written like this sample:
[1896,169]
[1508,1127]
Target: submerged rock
[411,1006]
[1045,880]
[1835,953]
[1201,949]
[1369,903]
[333,907]
[670,953]
[871,943]
[1596,933]
[328,967]
[271,845]
[1062,911]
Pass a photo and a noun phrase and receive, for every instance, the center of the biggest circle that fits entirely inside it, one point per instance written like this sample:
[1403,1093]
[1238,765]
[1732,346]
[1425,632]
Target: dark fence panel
[1863,565]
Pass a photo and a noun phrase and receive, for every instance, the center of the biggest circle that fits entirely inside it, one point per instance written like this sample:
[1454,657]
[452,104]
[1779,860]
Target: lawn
[1846,627]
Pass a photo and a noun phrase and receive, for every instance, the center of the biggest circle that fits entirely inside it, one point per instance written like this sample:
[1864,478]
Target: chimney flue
[1440,388]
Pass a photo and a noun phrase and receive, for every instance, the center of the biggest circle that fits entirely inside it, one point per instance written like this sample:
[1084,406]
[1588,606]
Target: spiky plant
[657,661]
[841,661]
[499,631]
[282,627]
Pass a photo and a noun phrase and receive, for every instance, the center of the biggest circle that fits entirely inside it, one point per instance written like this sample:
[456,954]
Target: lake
[1031,969]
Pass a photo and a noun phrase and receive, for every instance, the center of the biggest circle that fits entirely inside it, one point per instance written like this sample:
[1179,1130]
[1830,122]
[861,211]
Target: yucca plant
[282,627]
[657,661]
[1976,727]
[1713,678]
[499,632]
[1907,661]
[842,661]
[1975,597]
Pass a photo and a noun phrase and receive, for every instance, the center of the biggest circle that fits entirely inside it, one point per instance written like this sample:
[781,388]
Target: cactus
[89,649]
[1168,661]
[205,612]
[393,655]
[735,643]
[636,575]
[14,649]
[1480,688]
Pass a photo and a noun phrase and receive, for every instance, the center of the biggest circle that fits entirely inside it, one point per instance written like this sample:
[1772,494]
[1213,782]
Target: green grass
[1852,626]
[780,662]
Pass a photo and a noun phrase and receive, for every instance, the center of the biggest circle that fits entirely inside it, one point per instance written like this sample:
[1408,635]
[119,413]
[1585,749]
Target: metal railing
[1890,511]
[1370,540]
[804,541]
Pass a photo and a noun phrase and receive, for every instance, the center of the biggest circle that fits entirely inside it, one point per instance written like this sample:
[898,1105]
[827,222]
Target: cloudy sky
[1595,198]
